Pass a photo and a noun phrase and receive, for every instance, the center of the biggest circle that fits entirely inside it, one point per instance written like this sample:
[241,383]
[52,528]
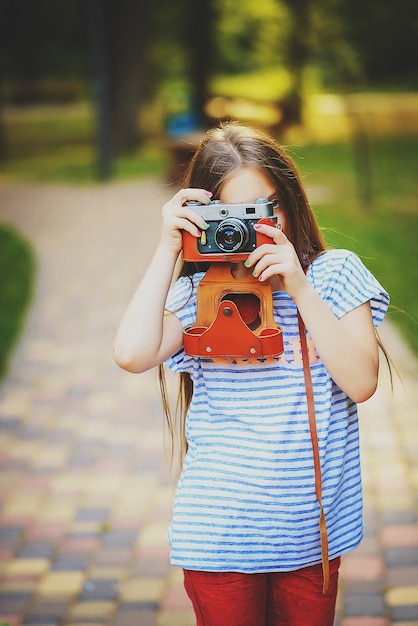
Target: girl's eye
[276,203]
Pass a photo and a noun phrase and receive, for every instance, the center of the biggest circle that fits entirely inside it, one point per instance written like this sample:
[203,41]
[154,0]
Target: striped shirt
[245,500]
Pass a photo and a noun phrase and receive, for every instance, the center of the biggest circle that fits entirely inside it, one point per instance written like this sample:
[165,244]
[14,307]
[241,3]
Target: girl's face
[248,183]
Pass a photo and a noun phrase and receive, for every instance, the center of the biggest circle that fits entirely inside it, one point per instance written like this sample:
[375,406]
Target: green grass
[57,144]
[383,232]
[17,268]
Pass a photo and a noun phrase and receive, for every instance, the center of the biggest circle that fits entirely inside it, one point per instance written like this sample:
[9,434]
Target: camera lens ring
[231,234]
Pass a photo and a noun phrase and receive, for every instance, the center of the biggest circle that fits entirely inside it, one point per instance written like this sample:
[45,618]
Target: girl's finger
[193,194]
[275,232]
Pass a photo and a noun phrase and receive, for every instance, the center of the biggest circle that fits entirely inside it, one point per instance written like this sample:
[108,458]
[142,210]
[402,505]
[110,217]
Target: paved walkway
[85,490]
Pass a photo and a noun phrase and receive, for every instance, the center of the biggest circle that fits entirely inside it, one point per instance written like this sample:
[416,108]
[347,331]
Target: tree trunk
[200,23]
[127,28]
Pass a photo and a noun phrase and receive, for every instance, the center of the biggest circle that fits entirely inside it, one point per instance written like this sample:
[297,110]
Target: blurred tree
[384,35]
[249,35]
[297,55]
[127,32]
[199,38]
[152,43]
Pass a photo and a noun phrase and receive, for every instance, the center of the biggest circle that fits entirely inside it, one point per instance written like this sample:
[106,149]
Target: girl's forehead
[245,185]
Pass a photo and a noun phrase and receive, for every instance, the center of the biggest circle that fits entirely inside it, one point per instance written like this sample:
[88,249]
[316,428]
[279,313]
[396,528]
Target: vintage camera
[231,235]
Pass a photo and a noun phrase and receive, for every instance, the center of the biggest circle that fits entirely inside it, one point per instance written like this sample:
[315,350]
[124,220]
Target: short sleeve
[345,283]
[181,301]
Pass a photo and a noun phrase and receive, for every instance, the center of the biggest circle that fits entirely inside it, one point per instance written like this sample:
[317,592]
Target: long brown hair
[222,151]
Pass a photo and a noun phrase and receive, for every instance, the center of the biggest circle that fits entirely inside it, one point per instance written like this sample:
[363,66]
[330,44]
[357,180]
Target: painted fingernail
[209,194]
[246,263]
[255,274]
[205,225]
[257,226]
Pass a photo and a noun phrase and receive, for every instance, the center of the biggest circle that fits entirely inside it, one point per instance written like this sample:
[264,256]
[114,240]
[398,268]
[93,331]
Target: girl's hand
[177,216]
[278,259]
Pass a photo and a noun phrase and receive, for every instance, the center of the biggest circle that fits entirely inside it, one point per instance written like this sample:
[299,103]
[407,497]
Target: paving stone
[141,590]
[396,557]
[19,586]
[364,587]
[365,621]
[120,538]
[68,561]
[176,618]
[401,576]
[135,617]
[46,613]
[10,423]
[360,604]
[364,568]
[27,567]
[113,556]
[14,602]
[104,573]
[100,589]
[10,535]
[404,613]
[399,517]
[407,595]
[41,549]
[63,584]
[92,611]
[400,535]
[175,599]
[97,514]
[151,567]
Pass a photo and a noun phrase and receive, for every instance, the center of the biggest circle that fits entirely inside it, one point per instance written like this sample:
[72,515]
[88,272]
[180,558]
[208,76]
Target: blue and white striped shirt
[246,499]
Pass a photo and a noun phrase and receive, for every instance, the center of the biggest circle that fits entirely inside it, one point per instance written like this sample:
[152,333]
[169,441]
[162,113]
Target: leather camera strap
[315,449]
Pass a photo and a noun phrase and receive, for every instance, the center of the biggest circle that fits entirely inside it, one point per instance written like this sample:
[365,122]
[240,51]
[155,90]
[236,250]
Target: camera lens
[231,235]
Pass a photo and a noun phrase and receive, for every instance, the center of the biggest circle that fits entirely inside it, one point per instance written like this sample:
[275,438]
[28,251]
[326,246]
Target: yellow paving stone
[58,510]
[67,483]
[16,401]
[10,479]
[413,477]
[153,535]
[102,401]
[7,441]
[52,457]
[402,596]
[92,611]
[103,484]
[23,504]
[176,618]
[61,584]
[27,567]
[395,501]
[142,590]
[28,450]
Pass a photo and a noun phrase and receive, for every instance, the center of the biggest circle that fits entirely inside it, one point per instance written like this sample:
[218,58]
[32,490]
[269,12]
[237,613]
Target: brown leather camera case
[234,318]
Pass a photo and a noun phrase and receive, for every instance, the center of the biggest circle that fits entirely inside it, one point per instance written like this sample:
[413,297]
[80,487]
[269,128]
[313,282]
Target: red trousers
[272,599]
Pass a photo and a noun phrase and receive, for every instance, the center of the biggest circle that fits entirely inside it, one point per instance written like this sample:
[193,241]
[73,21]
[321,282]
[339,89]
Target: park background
[101,104]
[97,91]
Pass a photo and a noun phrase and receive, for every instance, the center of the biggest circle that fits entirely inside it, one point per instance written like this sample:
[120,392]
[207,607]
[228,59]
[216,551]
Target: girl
[245,523]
